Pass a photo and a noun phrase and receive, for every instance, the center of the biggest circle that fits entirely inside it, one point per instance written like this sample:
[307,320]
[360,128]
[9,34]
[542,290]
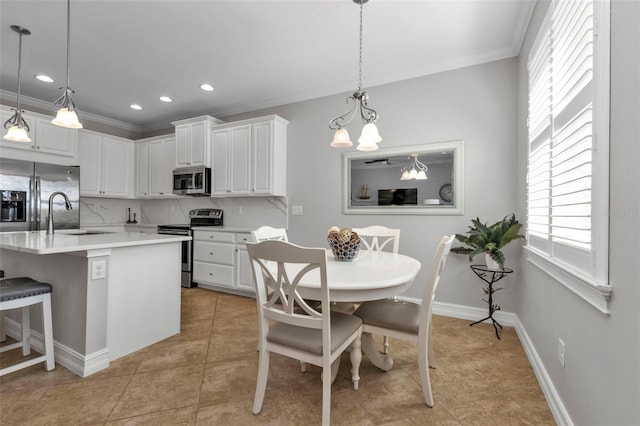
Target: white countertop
[38,242]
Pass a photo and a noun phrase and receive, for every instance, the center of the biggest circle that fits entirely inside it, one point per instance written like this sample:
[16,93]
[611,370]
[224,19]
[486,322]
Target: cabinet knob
[211,253]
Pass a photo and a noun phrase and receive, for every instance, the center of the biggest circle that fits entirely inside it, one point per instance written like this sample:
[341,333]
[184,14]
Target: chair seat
[20,287]
[310,340]
[390,313]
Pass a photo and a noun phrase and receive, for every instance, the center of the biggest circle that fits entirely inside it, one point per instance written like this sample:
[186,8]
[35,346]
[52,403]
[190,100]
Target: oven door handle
[170,232]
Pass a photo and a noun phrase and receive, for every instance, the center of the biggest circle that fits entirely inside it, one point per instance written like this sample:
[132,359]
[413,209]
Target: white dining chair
[265,233]
[410,321]
[380,238]
[318,337]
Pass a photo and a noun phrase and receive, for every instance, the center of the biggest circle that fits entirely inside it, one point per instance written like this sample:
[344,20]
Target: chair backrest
[278,267]
[265,233]
[433,277]
[378,237]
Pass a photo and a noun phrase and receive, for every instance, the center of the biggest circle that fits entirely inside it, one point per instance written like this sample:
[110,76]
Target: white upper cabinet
[142,169]
[162,160]
[155,161]
[193,141]
[49,143]
[106,165]
[232,161]
[249,157]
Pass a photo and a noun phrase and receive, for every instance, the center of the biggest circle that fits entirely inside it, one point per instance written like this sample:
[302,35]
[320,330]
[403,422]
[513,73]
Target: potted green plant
[489,239]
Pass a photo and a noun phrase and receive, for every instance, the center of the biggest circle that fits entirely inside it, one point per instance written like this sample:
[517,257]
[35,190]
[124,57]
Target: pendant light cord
[19,68]
[68,37]
[360,60]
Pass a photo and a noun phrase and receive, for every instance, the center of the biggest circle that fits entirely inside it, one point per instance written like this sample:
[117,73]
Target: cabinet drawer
[213,274]
[241,239]
[214,252]
[220,237]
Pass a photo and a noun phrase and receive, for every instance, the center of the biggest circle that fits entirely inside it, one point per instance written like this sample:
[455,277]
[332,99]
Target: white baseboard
[471,313]
[82,365]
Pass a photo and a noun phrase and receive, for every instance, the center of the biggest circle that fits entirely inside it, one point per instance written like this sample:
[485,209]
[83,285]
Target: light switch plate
[99,269]
[296,210]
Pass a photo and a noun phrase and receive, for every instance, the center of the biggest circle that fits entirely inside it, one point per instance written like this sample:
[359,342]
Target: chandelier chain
[360,57]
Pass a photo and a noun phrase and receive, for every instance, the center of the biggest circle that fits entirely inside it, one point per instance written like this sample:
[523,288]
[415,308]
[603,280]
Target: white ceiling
[255,53]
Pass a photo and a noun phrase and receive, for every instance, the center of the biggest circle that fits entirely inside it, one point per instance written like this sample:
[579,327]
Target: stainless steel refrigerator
[25,188]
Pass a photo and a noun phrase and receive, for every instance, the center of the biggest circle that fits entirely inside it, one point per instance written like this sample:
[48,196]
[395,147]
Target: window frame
[593,284]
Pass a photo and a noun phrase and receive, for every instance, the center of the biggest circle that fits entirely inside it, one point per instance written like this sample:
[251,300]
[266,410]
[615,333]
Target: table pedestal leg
[382,361]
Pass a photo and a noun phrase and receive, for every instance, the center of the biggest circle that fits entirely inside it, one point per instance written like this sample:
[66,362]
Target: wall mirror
[417,179]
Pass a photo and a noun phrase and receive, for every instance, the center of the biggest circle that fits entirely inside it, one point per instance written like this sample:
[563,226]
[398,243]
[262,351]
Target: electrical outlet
[296,210]
[99,269]
[561,349]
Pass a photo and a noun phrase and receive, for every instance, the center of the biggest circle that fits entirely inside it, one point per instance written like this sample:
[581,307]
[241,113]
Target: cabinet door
[90,160]
[142,169]
[183,142]
[240,160]
[262,158]
[157,170]
[198,144]
[169,165]
[116,173]
[52,139]
[245,278]
[220,163]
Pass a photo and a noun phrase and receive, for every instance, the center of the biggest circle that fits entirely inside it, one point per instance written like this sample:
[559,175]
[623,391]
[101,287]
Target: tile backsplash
[238,212]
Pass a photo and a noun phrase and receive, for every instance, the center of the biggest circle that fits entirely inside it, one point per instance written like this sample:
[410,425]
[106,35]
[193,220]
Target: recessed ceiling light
[165,99]
[135,106]
[44,78]
[206,87]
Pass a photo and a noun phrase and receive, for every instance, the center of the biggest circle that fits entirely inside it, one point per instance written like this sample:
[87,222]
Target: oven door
[186,256]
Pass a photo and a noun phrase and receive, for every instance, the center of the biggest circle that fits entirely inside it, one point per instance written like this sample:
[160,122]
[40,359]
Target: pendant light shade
[370,137]
[17,128]
[341,139]
[66,109]
[414,170]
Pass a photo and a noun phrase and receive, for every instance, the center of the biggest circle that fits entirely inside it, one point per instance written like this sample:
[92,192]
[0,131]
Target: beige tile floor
[206,376]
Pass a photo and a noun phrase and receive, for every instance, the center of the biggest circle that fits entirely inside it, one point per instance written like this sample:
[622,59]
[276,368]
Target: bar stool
[22,292]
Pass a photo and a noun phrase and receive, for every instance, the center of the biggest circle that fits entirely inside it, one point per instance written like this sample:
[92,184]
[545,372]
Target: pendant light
[18,129]
[414,170]
[66,115]
[369,138]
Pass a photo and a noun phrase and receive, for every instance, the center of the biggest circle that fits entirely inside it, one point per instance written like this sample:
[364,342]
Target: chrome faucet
[67,205]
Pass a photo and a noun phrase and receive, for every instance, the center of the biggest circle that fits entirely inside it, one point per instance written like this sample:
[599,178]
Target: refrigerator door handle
[36,210]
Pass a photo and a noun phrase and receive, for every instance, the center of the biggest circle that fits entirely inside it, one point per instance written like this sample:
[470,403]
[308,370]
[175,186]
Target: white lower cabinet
[218,262]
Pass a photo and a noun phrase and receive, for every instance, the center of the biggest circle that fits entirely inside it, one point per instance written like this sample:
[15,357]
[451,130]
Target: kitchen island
[113,293]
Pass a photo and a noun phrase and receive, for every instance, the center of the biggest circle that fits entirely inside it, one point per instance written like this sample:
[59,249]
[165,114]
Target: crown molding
[27,101]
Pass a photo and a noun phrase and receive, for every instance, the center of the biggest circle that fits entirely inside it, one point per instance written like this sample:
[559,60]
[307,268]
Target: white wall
[600,384]
[475,104]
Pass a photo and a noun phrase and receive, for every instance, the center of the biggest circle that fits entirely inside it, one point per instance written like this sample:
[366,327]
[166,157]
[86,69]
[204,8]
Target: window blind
[561,129]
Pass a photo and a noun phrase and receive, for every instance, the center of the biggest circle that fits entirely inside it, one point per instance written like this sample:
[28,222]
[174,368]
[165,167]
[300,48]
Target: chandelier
[66,115]
[369,138]
[414,170]
[17,128]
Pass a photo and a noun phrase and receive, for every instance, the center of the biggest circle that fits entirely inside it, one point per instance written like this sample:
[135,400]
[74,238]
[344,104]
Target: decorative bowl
[344,251]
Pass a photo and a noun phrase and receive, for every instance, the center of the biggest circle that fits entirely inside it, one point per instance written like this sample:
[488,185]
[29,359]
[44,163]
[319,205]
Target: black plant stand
[490,276]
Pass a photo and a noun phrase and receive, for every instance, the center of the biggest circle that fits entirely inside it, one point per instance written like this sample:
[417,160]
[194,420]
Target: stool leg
[47,327]
[26,331]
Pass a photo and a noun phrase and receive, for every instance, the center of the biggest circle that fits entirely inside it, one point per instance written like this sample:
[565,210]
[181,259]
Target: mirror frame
[457,208]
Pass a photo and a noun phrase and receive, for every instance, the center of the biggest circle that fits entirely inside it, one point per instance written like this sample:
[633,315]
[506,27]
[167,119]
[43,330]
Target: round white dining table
[371,275]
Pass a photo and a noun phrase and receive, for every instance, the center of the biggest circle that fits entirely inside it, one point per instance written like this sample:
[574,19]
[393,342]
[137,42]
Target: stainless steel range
[197,217]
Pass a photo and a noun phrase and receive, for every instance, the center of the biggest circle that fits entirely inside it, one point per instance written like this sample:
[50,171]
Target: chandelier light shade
[66,115]
[414,170]
[17,127]
[369,138]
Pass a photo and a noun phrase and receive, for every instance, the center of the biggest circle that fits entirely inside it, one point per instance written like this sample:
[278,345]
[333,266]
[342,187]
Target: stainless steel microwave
[192,181]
